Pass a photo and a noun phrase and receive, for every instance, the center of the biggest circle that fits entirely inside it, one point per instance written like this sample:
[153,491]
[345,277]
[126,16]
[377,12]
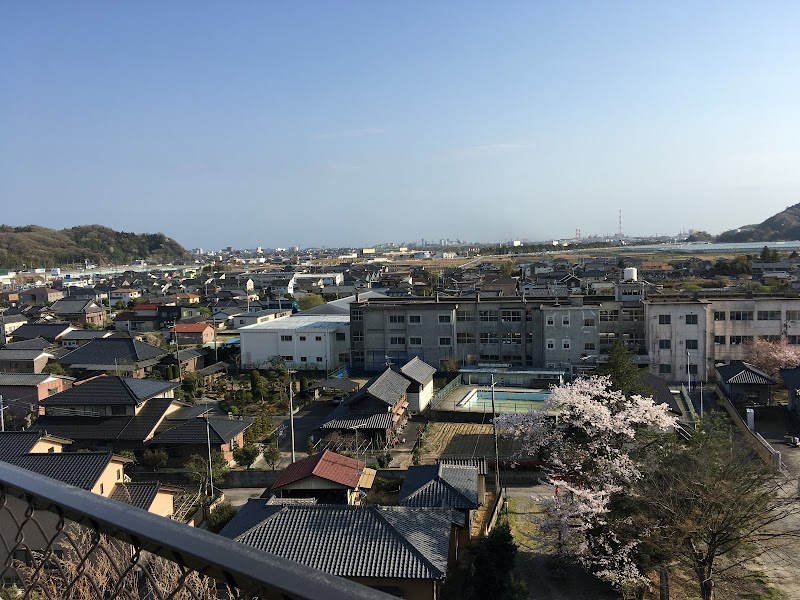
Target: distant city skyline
[343,124]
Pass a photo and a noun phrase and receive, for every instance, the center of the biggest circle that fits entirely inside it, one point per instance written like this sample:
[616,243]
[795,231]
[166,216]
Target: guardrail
[442,393]
[59,541]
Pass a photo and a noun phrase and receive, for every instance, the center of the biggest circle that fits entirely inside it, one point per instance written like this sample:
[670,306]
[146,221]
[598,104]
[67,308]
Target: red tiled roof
[325,465]
[190,327]
[146,307]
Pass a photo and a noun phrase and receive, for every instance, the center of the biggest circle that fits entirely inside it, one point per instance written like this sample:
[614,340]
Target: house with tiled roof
[376,411]
[402,551]
[9,324]
[21,392]
[120,355]
[79,311]
[27,356]
[79,337]
[40,295]
[420,392]
[52,331]
[194,334]
[327,476]
[744,383]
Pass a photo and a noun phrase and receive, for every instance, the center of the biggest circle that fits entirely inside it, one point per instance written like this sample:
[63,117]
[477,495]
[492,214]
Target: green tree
[246,455]
[625,376]
[261,427]
[220,516]
[494,565]
[310,301]
[272,455]
[155,459]
[197,468]
[54,369]
[507,267]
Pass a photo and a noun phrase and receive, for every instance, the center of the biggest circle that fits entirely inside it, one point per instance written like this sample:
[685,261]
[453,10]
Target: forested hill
[784,226]
[35,246]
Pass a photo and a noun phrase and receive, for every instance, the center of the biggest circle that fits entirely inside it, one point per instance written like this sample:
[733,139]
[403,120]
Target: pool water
[505,400]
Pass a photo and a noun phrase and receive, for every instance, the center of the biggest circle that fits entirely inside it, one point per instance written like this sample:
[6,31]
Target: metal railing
[59,541]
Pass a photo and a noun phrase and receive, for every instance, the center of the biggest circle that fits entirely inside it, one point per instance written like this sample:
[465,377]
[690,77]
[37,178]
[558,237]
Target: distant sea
[700,248]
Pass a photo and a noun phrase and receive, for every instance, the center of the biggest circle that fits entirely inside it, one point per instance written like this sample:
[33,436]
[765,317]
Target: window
[609,315]
[358,356]
[633,314]
[397,319]
[463,315]
[512,338]
[303,359]
[664,369]
[719,315]
[490,338]
[664,319]
[565,344]
[286,338]
[565,320]
[691,345]
[588,322]
[288,357]
[741,315]
[358,336]
[769,315]
[664,344]
[397,340]
[794,340]
[465,338]
[340,337]
[691,319]
[414,319]
[510,316]
[320,359]
[606,339]
[793,315]
[720,340]
[488,315]
[551,344]
[118,410]
[119,474]
[589,346]
[738,340]
[551,320]
[445,341]
[357,315]
[444,318]
[415,341]
[302,338]
[770,338]
[101,489]
[692,369]
[494,357]
[318,338]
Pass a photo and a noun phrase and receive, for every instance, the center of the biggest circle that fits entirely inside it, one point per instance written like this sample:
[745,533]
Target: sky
[320,123]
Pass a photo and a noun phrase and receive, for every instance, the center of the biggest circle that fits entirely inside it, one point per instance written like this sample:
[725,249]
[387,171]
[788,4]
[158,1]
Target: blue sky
[333,123]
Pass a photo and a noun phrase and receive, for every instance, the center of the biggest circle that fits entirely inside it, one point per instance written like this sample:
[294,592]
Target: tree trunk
[663,580]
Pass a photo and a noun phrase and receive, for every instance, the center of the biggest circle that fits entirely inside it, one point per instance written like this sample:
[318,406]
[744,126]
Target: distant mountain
[36,246]
[782,227]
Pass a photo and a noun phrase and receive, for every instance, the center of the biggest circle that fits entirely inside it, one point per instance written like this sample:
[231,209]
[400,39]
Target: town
[310,404]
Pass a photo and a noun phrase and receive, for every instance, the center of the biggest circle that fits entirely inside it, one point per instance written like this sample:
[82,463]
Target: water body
[700,248]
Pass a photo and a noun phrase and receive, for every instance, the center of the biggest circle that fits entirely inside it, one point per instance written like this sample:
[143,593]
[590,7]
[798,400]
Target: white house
[304,341]
[420,374]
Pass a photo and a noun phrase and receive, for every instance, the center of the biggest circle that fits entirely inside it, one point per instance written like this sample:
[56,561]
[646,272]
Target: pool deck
[450,402]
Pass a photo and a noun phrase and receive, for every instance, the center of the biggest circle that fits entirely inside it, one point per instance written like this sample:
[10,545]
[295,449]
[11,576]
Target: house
[192,429]
[377,411]
[398,550]
[259,316]
[52,332]
[420,392]
[114,354]
[791,379]
[79,337]
[190,359]
[446,485]
[131,321]
[21,392]
[194,334]
[329,477]
[102,473]
[9,324]
[40,295]
[108,412]
[744,383]
[79,311]
[27,356]
[123,295]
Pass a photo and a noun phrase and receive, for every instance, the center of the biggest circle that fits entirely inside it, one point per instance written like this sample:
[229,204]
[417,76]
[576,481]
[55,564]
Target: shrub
[220,516]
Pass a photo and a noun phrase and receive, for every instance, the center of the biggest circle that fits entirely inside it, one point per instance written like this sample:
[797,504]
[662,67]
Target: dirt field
[462,439]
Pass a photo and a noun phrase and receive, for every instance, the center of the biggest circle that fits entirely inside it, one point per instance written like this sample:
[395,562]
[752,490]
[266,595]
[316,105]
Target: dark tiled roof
[82,428]
[659,389]
[81,469]
[418,370]
[139,494]
[86,334]
[34,344]
[24,379]
[193,431]
[17,443]
[791,378]
[217,367]
[742,372]
[354,541]
[189,412]
[11,354]
[477,462]
[107,389]
[48,331]
[107,352]
[325,465]
[388,386]
[141,425]
[442,485]
[248,516]
[68,307]
[358,421]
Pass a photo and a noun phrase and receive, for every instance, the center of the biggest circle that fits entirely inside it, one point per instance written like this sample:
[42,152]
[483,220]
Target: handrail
[256,574]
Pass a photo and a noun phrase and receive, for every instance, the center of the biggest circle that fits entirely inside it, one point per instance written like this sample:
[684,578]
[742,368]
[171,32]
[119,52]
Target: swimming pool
[504,400]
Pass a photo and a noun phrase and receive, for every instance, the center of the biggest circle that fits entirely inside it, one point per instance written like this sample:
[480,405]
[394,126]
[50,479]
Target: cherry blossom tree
[772,356]
[589,436]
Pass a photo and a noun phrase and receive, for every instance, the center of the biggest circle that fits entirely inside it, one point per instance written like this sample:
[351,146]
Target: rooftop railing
[59,541]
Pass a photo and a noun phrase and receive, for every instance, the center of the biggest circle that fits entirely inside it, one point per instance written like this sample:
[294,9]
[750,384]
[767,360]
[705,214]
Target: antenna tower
[578,234]
[619,233]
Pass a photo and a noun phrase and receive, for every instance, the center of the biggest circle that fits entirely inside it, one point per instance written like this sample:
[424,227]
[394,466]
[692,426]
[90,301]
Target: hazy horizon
[348,124]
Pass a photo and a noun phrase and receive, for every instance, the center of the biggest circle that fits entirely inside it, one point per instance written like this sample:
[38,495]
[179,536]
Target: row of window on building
[735,315]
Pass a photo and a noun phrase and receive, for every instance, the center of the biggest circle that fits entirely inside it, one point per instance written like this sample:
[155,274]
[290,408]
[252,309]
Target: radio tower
[619,233]
[578,234]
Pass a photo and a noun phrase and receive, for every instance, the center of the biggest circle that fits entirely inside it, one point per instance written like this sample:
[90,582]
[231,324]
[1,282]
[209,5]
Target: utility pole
[210,469]
[2,415]
[291,412]
[496,452]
